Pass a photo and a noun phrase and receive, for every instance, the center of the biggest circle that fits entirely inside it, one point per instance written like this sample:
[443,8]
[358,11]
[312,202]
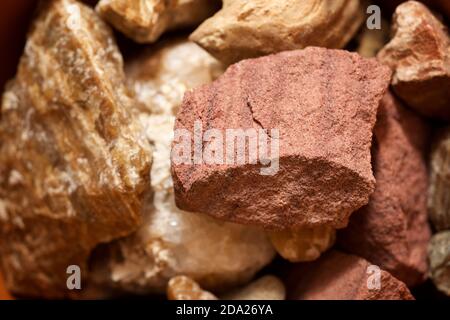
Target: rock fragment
[371,41]
[247,29]
[439,255]
[392,230]
[304,244]
[313,110]
[419,55]
[4,294]
[173,242]
[265,288]
[339,276]
[184,288]
[439,189]
[74,167]
[146,20]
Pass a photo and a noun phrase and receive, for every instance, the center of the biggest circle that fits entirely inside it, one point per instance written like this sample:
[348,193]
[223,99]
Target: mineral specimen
[173,242]
[145,20]
[184,288]
[265,288]
[338,276]
[439,189]
[4,294]
[439,255]
[392,230]
[74,167]
[248,29]
[304,244]
[419,55]
[314,109]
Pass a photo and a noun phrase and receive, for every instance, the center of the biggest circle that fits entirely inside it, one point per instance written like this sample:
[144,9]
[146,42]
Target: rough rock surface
[439,189]
[323,103]
[338,276]
[265,288]
[439,255]
[392,230]
[145,20]
[304,244]
[171,241]
[4,294]
[419,54]
[74,168]
[247,29]
[184,288]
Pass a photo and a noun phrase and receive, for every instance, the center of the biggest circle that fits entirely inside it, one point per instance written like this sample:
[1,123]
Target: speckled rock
[439,255]
[318,105]
[74,167]
[392,230]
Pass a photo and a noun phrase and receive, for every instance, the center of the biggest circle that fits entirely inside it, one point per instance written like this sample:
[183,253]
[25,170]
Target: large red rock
[392,230]
[323,103]
[339,276]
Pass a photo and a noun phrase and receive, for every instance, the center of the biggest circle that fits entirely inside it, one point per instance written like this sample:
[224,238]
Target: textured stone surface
[184,288]
[323,103]
[74,168]
[248,29]
[4,294]
[439,255]
[304,244]
[172,241]
[338,276]
[439,6]
[265,288]
[439,189]
[419,54]
[145,20]
[392,230]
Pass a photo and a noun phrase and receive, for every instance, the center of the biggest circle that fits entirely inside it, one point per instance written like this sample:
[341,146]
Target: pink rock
[392,230]
[323,103]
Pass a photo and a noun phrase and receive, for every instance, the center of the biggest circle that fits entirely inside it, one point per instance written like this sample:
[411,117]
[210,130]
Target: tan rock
[419,55]
[247,29]
[304,244]
[265,288]
[439,255]
[74,167]
[371,41]
[173,242]
[145,20]
[439,188]
[184,288]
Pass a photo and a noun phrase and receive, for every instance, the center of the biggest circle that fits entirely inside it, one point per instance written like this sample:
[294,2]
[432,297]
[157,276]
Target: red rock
[323,102]
[392,230]
[339,276]
[419,55]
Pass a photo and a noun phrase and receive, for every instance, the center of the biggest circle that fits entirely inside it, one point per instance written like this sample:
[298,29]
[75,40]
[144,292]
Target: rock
[4,294]
[319,108]
[439,189]
[439,255]
[146,20]
[419,55]
[305,244]
[370,41]
[392,230]
[173,242]
[265,288]
[74,167]
[339,276]
[440,6]
[247,29]
[184,288]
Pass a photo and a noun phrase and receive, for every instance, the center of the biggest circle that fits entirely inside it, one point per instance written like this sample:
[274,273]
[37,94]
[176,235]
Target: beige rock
[304,244]
[171,241]
[74,166]
[184,288]
[439,255]
[419,54]
[246,29]
[370,41]
[145,20]
[265,288]
[439,189]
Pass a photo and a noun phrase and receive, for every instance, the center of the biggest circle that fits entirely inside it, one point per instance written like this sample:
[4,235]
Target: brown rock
[184,288]
[304,244]
[371,41]
[419,55]
[145,20]
[439,189]
[392,230]
[247,29]
[265,288]
[74,168]
[440,6]
[439,255]
[338,276]
[323,104]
